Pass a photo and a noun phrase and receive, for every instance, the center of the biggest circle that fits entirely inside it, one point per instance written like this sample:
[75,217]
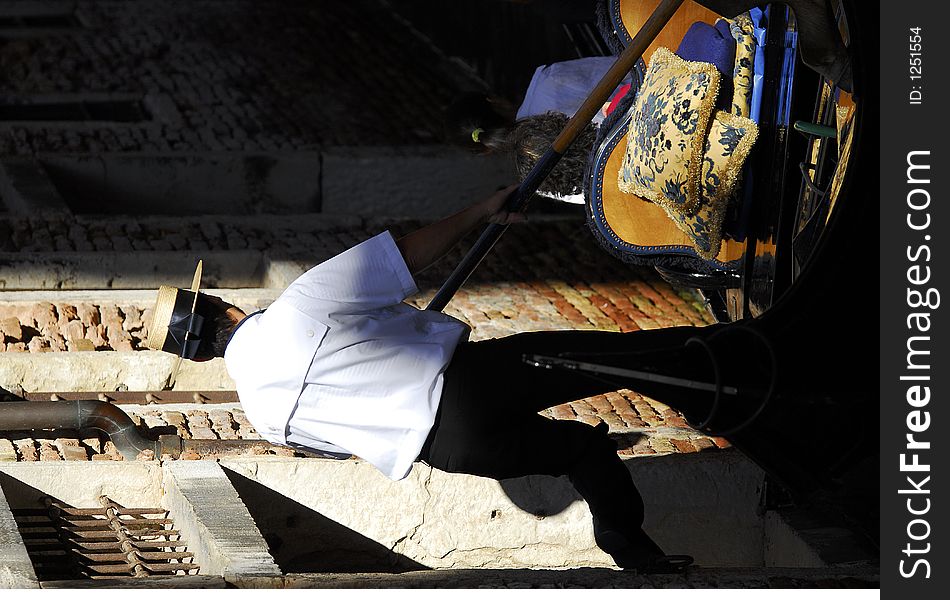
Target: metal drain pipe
[25,415]
[79,414]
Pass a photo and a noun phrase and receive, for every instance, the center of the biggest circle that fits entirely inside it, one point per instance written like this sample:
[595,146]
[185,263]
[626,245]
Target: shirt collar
[241,322]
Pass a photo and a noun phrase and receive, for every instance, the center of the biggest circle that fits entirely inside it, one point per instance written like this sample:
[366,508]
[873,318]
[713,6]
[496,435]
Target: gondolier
[339,364]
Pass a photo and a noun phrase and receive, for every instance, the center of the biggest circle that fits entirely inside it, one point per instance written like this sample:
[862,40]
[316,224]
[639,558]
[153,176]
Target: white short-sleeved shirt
[339,363]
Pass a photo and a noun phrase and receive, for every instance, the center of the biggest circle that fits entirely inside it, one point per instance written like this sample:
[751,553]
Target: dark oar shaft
[516,202]
[519,199]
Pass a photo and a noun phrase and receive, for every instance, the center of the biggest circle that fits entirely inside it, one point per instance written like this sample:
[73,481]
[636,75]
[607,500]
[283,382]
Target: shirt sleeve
[370,275]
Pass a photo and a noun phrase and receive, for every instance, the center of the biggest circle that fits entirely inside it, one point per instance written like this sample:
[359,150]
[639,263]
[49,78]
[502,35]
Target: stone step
[409,181]
[108,371]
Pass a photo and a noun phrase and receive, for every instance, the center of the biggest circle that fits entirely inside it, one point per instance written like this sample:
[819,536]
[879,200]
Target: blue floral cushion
[667,135]
[727,146]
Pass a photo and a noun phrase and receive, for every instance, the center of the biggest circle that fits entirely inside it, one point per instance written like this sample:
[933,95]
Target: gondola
[798,328]
[783,375]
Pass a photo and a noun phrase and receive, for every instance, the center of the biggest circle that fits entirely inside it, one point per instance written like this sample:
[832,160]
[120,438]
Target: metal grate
[111,541]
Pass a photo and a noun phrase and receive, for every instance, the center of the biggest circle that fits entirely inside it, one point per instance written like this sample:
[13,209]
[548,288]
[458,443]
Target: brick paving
[634,423]
[541,276]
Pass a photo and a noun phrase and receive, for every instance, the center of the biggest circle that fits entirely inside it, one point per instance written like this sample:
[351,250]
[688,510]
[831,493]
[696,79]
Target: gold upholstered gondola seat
[628,226]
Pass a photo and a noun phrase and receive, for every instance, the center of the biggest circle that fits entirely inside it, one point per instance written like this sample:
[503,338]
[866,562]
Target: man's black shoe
[667,564]
[628,556]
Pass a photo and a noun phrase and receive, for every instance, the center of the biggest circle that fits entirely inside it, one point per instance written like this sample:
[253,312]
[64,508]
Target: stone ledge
[108,371]
[181,582]
[695,578]
[127,270]
[214,520]
[699,504]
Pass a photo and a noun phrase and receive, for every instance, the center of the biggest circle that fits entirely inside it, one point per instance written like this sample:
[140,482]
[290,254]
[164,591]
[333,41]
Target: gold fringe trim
[715,207]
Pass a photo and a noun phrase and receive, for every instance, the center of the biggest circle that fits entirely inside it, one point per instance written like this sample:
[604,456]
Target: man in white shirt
[339,364]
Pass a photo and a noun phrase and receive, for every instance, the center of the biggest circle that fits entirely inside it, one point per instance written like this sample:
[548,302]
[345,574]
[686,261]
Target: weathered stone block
[72,450]
[56,341]
[110,316]
[133,318]
[204,501]
[88,314]
[66,313]
[81,345]
[38,344]
[662,445]
[48,452]
[96,335]
[26,448]
[92,441]
[16,568]
[153,420]
[7,451]
[74,330]
[11,329]
[222,424]
[43,316]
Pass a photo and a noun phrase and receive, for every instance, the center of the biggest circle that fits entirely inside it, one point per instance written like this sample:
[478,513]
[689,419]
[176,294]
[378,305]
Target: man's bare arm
[423,247]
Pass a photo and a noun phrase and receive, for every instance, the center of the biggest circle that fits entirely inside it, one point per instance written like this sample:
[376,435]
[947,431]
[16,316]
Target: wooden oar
[519,198]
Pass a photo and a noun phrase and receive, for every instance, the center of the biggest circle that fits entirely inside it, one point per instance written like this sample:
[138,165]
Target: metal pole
[78,414]
[519,198]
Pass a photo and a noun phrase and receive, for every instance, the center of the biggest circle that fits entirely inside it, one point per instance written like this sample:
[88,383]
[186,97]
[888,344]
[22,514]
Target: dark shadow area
[561,250]
[180,185]
[593,578]
[627,440]
[122,111]
[47,551]
[533,252]
[540,495]
[502,41]
[543,496]
[40,21]
[302,540]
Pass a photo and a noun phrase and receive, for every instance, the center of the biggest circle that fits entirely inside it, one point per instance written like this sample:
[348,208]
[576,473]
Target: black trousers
[488,422]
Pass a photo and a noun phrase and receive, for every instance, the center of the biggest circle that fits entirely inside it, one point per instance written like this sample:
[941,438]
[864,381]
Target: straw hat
[175,326]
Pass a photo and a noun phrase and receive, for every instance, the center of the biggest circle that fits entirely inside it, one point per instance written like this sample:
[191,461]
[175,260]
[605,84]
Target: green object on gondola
[814,129]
